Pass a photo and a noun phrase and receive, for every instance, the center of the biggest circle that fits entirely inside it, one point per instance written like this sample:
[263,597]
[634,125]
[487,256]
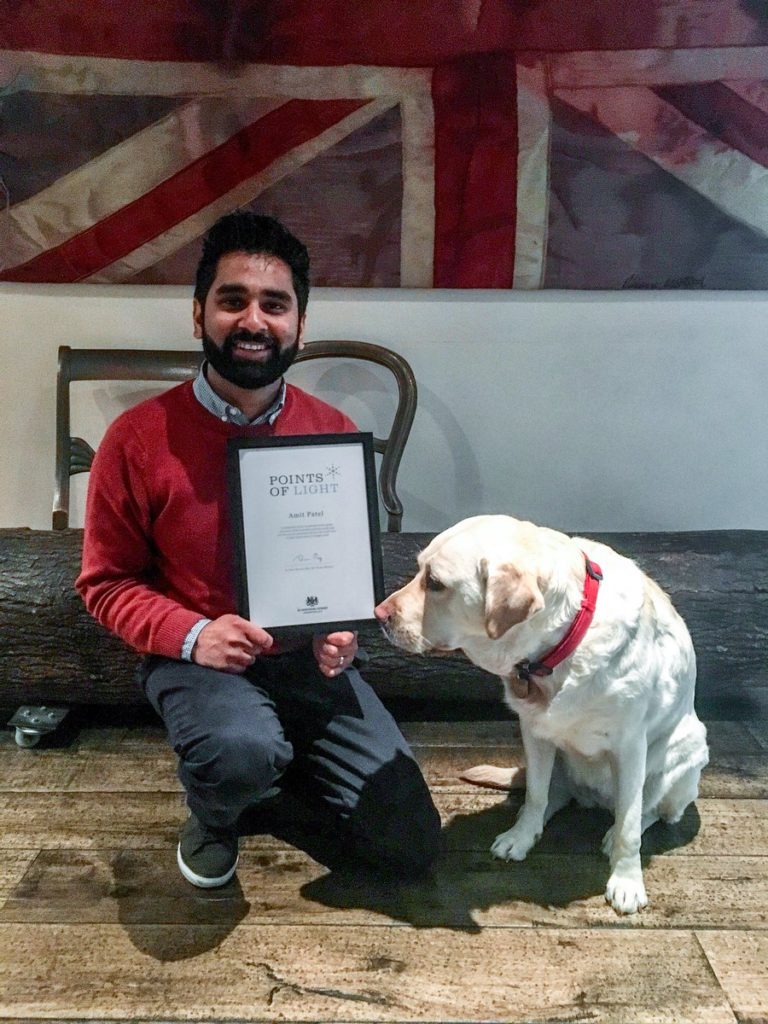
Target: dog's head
[480,578]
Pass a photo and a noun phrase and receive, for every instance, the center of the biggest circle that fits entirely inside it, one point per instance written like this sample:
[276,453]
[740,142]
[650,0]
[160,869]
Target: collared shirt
[222,410]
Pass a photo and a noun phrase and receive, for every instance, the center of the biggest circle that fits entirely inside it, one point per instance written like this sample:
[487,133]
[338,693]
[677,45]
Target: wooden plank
[465,890]
[85,738]
[127,774]
[725,737]
[708,827]
[759,730]
[463,734]
[143,762]
[23,771]
[740,776]
[129,771]
[471,822]
[59,654]
[13,866]
[732,775]
[356,974]
[740,963]
[138,738]
[150,820]
[89,821]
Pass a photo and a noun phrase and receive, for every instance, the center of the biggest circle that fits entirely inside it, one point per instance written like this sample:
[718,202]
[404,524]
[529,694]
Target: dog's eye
[431,583]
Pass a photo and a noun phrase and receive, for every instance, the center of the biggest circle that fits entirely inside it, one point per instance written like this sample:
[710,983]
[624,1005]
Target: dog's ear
[511,596]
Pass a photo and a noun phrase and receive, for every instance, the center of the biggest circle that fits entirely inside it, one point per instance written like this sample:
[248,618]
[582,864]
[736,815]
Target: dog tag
[520,687]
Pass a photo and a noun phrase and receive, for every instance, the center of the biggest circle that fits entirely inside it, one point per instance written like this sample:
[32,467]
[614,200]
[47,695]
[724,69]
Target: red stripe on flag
[724,114]
[247,153]
[387,32]
[475,172]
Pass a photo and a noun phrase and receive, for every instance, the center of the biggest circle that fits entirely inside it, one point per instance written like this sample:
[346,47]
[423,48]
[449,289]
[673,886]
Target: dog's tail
[493,777]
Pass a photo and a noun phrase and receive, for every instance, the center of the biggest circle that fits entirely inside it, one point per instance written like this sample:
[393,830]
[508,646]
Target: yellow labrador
[607,720]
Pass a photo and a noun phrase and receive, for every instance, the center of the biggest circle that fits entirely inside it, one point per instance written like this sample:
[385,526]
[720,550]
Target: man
[242,713]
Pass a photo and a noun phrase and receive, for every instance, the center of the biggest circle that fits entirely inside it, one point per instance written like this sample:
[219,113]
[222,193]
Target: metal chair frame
[74,455]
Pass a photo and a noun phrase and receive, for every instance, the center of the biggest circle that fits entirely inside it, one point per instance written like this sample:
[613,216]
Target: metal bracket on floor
[32,723]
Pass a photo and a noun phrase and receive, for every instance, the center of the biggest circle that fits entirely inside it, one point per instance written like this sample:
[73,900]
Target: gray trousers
[237,736]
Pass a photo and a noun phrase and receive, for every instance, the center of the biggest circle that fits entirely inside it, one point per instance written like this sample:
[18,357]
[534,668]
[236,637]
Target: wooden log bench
[53,653]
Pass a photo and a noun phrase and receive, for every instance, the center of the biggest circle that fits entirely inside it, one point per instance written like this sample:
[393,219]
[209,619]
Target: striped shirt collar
[222,410]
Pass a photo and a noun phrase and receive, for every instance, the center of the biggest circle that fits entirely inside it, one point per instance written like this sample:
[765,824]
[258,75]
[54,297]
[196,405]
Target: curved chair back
[74,455]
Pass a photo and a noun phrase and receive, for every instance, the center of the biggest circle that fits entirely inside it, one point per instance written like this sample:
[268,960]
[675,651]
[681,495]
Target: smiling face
[250,324]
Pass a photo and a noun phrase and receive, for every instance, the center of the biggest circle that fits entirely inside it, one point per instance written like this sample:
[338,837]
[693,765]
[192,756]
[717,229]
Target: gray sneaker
[207,857]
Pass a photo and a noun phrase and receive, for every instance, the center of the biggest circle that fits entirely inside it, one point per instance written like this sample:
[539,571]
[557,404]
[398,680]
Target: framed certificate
[306,530]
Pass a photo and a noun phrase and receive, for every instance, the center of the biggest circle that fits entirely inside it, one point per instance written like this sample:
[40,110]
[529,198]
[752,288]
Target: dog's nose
[381,611]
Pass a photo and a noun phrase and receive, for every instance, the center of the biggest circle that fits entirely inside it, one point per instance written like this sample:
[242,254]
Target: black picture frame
[242,457]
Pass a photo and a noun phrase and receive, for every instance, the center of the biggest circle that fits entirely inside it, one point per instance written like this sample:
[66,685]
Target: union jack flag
[445,143]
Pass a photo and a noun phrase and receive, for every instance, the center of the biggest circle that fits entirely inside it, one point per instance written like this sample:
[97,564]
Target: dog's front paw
[626,893]
[514,844]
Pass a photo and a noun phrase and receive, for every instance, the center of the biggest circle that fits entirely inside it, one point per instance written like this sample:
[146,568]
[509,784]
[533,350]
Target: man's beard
[242,372]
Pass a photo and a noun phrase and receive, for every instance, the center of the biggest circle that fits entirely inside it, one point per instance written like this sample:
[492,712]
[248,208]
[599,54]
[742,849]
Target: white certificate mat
[306,530]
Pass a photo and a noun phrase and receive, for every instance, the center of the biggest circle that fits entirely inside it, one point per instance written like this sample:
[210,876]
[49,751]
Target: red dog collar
[574,636]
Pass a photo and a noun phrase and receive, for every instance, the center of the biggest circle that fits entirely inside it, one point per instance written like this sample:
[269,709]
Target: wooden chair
[74,455]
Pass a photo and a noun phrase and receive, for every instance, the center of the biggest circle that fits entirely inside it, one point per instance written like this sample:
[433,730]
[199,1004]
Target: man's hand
[230,644]
[334,652]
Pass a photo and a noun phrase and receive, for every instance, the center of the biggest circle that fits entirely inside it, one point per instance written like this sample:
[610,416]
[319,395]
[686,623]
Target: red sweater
[157,551]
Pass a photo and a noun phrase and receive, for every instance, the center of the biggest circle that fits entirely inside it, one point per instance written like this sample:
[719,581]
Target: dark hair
[244,231]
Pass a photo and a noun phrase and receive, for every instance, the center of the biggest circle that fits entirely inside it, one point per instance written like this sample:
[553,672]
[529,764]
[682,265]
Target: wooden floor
[96,923]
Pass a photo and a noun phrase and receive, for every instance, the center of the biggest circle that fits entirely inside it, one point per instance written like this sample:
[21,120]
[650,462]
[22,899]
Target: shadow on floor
[566,867]
[465,883]
[208,916]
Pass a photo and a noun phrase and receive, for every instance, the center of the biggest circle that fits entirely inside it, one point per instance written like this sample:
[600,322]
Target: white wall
[585,411]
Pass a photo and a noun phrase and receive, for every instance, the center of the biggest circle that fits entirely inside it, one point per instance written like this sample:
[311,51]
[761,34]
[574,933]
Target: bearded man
[247,717]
